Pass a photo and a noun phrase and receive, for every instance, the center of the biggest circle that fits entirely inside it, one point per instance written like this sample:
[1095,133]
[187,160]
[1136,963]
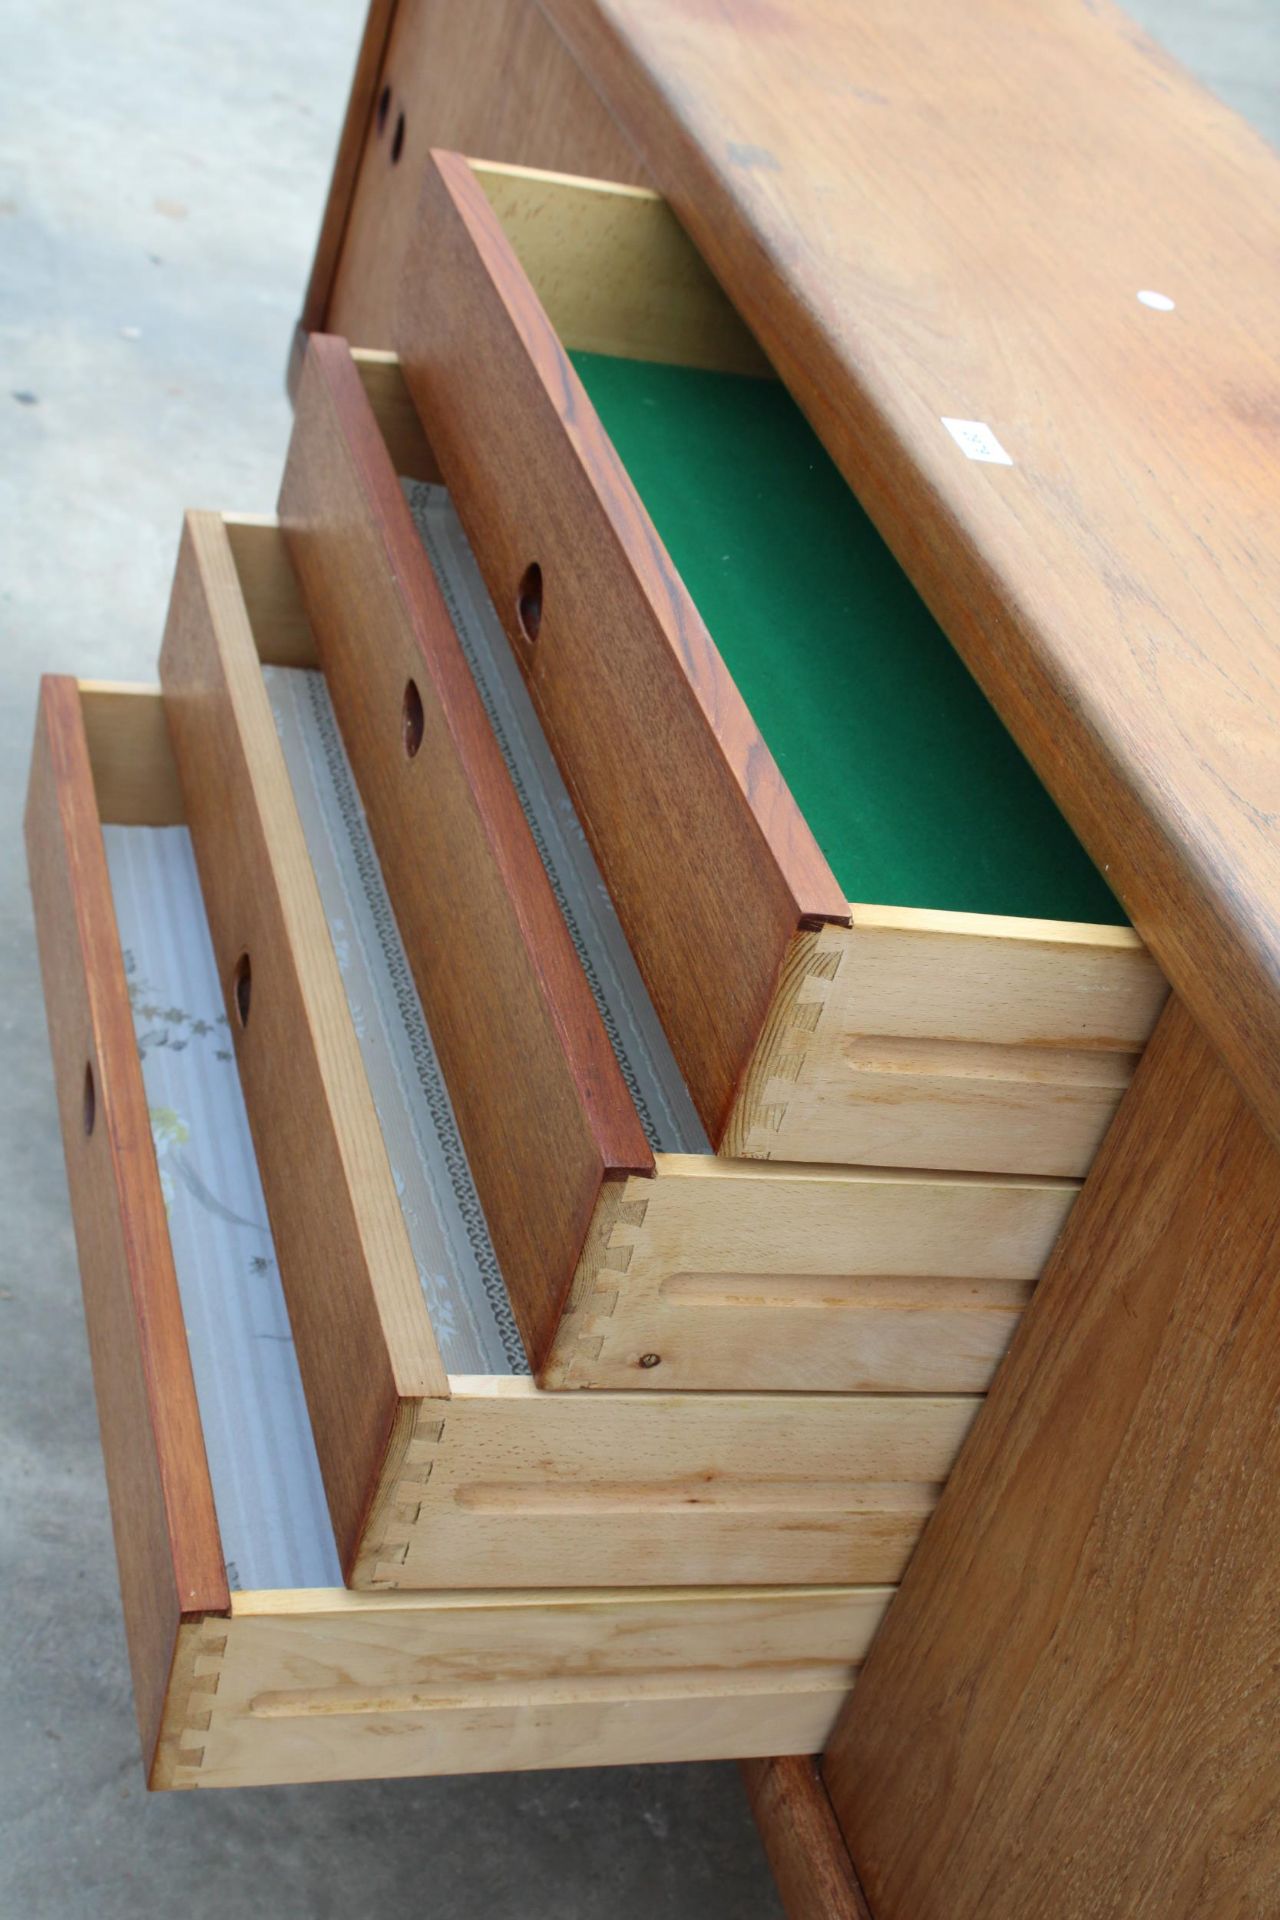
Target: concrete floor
[161,176]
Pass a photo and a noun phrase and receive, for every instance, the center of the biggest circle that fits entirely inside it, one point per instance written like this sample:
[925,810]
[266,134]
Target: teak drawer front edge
[711,984]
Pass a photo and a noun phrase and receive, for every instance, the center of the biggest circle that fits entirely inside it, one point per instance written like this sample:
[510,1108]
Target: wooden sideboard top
[1031,221]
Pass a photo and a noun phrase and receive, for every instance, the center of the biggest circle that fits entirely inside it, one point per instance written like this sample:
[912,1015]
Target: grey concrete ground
[162,168]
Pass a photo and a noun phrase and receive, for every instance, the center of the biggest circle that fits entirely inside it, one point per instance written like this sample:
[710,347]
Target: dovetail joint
[607,1257]
[195,1685]
[783,1046]
[389,1551]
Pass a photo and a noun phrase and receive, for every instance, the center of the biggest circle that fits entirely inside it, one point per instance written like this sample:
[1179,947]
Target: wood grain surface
[397,417]
[1072,1707]
[486,77]
[923,1039]
[506,1486]
[278,620]
[134,777]
[364,1339]
[804,1846]
[542,1107]
[168,1550]
[326,1685]
[742,1275]
[615,272]
[1113,589]
[709,861]
[357,123]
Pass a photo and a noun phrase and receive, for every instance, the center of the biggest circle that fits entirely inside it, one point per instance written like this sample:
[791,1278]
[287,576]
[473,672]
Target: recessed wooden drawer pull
[529,602]
[241,989]
[412,719]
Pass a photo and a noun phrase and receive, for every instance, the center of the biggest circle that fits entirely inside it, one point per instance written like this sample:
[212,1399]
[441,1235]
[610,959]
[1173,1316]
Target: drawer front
[671,776]
[166,1534]
[448,75]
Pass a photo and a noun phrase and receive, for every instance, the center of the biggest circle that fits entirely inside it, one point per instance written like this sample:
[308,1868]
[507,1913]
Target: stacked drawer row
[752,1358]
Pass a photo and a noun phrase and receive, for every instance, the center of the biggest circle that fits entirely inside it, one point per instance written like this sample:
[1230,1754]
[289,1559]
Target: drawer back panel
[502,989]
[166,1533]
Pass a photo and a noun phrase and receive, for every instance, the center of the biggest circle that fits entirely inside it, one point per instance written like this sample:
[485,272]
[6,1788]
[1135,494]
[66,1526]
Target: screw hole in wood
[411,719]
[529,602]
[384,108]
[90,1099]
[650,1359]
[242,988]
[397,139]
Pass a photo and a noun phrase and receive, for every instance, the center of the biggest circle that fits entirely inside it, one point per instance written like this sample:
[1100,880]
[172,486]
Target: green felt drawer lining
[915,791]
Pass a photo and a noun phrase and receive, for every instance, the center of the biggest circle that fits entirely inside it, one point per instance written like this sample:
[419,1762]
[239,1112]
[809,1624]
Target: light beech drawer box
[302,1680]
[916,1033]
[627,1267]
[441,1477]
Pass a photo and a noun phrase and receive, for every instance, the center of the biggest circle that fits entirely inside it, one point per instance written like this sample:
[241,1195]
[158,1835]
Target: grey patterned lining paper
[450,1242]
[648,1065]
[262,1459]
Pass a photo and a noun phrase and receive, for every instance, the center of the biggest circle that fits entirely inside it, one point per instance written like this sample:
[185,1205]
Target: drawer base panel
[328,1685]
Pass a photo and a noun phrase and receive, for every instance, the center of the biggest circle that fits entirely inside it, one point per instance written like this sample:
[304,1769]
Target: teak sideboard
[725,830]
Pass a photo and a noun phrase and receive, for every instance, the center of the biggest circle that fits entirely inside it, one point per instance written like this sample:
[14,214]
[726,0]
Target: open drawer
[634,1258]
[755,713]
[443,1463]
[251,1663]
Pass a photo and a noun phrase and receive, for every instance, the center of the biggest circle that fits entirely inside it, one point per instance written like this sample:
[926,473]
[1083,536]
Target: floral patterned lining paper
[262,1460]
